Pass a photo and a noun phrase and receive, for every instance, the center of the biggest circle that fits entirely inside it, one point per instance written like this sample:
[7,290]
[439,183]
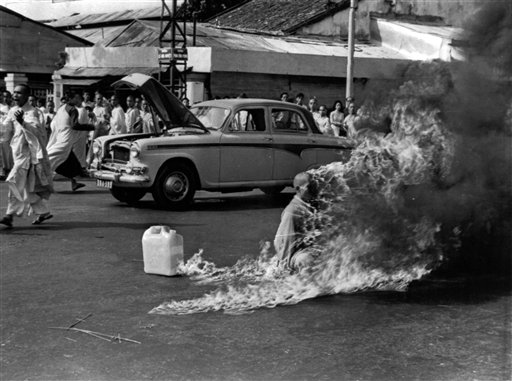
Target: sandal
[41,218]
[76,186]
[7,221]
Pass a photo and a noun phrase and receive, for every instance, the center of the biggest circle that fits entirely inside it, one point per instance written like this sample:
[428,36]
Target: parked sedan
[226,145]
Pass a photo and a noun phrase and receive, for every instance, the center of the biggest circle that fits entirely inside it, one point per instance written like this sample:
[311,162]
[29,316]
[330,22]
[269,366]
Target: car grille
[119,155]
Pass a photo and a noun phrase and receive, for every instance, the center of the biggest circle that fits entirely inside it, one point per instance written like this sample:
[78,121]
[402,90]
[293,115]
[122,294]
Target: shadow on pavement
[82,191]
[228,203]
[69,225]
[446,292]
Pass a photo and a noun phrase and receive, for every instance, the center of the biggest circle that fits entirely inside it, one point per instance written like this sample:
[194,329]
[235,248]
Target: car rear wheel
[128,195]
[174,187]
[272,191]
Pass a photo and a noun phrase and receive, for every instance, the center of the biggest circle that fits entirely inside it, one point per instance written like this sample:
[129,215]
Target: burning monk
[291,241]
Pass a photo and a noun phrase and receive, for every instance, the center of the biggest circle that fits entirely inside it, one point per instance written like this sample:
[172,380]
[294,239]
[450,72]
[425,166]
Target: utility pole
[350,59]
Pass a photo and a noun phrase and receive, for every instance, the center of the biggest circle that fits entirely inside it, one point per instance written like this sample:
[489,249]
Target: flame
[365,238]
[439,181]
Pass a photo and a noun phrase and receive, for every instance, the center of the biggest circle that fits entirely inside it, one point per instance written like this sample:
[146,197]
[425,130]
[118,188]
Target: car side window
[288,121]
[249,120]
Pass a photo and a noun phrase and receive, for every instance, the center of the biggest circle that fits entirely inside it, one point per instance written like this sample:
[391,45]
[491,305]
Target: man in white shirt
[132,117]
[117,119]
[30,180]
[148,125]
[323,122]
[87,102]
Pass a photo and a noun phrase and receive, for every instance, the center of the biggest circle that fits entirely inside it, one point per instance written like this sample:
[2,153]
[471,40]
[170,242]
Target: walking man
[66,129]
[30,180]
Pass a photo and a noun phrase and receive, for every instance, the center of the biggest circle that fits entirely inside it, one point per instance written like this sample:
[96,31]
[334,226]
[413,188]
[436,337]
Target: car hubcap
[176,186]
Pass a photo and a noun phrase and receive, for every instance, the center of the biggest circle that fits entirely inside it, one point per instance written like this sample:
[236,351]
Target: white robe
[6,132]
[63,137]
[117,121]
[289,235]
[80,145]
[133,120]
[29,181]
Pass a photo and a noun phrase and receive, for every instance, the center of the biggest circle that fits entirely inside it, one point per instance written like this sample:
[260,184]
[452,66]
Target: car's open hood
[169,108]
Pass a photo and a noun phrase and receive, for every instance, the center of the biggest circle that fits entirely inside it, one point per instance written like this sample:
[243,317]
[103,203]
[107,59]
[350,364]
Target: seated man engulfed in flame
[292,241]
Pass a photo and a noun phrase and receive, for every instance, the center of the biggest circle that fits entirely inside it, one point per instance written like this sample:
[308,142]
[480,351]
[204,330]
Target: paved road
[88,260]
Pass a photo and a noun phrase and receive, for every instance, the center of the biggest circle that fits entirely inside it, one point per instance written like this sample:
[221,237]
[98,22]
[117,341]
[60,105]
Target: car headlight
[96,148]
[134,152]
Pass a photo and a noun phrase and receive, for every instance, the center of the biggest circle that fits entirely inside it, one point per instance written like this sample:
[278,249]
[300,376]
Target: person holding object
[291,239]
[30,180]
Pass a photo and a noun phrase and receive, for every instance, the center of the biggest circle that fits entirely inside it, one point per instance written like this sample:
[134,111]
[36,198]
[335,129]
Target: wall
[319,65]
[267,86]
[28,47]
[337,24]
[101,57]
[452,12]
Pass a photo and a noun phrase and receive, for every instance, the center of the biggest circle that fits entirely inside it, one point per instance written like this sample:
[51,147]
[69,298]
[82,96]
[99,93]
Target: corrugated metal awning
[104,71]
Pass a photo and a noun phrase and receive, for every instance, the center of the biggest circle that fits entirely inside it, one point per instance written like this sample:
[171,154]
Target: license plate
[104,183]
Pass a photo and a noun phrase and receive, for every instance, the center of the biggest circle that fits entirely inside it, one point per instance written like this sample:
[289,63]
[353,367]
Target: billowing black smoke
[472,100]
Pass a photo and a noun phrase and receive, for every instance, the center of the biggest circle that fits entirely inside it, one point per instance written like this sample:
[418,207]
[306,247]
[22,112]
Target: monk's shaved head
[301,179]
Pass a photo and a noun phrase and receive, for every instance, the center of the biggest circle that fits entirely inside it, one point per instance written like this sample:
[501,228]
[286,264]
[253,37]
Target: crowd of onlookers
[337,121]
[108,116]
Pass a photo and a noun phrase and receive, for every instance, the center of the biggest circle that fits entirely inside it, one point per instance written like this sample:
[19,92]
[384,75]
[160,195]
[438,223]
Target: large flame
[365,236]
[438,181]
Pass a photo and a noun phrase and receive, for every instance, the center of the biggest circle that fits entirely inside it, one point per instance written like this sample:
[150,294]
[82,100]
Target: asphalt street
[88,260]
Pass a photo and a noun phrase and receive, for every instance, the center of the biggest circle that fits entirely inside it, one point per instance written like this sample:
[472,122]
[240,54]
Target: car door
[293,151]
[246,147]
[331,148]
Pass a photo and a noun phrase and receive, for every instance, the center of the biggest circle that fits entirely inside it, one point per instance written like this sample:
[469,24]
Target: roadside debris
[103,336]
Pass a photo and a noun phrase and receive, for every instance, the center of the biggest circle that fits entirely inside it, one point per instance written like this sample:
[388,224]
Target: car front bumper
[119,178]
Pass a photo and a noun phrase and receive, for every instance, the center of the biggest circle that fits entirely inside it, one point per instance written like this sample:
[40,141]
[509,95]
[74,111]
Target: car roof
[234,102]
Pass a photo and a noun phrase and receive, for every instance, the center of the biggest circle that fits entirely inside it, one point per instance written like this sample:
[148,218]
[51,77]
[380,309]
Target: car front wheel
[128,195]
[174,187]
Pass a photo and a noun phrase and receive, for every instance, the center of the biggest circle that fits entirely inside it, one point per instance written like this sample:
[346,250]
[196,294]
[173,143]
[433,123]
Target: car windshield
[210,116]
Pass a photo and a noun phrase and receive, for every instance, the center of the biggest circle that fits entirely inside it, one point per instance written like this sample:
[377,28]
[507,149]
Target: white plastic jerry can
[162,249]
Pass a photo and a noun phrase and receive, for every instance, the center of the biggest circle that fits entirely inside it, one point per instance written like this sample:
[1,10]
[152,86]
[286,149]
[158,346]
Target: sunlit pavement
[88,260]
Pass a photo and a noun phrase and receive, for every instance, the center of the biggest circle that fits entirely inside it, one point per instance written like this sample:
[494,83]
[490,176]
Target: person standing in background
[117,118]
[87,102]
[299,100]
[349,121]
[132,117]
[48,117]
[148,125]
[336,118]
[33,101]
[322,121]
